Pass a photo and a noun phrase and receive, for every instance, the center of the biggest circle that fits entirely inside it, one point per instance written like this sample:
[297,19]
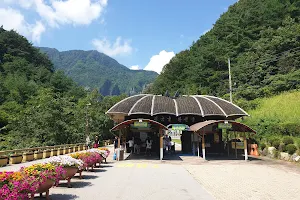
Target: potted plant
[38,155]
[3,160]
[17,185]
[45,174]
[89,158]
[60,151]
[15,158]
[28,156]
[54,152]
[101,153]
[46,153]
[69,164]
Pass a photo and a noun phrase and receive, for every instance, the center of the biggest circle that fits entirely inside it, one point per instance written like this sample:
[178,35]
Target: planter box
[71,150]
[3,161]
[46,154]
[15,159]
[60,151]
[28,157]
[66,150]
[75,149]
[54,152]
[70,172]
[38,155]
[45,187]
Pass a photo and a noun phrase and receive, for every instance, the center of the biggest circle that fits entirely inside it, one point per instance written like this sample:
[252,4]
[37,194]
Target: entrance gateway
[206,119]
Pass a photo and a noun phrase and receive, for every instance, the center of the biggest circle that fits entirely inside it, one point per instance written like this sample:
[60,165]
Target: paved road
[128,180]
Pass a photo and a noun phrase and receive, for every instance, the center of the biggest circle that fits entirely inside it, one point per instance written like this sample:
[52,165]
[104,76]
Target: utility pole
[230,84]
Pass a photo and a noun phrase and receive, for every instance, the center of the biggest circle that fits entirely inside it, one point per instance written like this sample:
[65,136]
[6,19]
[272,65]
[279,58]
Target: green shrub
[276,143]
[263,146]
[288,140]
[298,142]
[291,148]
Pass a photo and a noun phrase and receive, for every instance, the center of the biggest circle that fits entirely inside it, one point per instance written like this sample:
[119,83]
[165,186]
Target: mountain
[96,70]
[261,38]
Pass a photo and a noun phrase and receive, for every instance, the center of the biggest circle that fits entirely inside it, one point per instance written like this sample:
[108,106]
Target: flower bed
[70,165]
[25,183]
[89,158]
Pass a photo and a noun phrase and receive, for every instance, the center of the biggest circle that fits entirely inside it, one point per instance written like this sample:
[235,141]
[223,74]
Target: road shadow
[62,197]
[230,157]
[77,184]
[87,177]
[105,166]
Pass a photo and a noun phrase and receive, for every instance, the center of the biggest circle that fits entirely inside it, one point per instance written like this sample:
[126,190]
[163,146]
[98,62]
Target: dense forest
[92,69]
[262,40]
[41,106]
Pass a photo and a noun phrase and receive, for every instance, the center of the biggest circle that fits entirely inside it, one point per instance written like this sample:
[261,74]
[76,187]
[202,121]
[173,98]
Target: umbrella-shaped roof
[201,105]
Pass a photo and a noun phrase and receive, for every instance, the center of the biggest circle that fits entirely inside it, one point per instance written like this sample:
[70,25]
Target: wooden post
[203,145]
[227,135]
[198,146]
[161,145]
[235,145]
[119,141]
[245,147]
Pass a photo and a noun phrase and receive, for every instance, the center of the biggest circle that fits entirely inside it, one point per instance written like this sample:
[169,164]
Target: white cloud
[117,48]
[54,13]
[157,62]
[135,67]
[13,20]
[76,12]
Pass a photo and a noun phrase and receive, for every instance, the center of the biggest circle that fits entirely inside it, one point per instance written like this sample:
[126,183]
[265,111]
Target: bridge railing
[23,155]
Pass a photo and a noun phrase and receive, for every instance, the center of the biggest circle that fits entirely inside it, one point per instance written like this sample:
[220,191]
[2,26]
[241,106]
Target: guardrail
[23,155]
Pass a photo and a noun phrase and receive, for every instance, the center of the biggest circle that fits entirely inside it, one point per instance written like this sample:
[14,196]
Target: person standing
[131,144]
[148,146]
[87,141]
[96,143]
[115,143]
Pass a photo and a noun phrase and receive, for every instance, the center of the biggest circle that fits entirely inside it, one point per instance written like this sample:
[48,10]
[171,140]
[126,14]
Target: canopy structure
[235,126]
[199,105]
[132,121]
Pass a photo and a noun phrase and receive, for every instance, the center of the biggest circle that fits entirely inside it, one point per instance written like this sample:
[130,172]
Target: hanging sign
[180,127]
[140,124]
[224,125]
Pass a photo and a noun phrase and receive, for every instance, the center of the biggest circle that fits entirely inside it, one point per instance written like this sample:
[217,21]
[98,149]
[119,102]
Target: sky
[140,34]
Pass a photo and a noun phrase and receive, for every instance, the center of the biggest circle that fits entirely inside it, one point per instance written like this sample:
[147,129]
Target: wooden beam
[245,147]
[161,145]
[203,145]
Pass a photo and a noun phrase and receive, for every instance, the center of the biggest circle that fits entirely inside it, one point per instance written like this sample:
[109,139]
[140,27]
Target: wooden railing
[24,155]
[20,151]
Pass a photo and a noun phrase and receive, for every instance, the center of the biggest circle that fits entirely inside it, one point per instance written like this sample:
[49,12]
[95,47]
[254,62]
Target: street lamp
[87,120]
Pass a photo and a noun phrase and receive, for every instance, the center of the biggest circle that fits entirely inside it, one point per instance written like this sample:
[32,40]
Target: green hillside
[40,106]
[96,70]
[262,40]
[277,115]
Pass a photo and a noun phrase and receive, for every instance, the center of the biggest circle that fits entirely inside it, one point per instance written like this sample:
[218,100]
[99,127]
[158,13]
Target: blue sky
[139,33]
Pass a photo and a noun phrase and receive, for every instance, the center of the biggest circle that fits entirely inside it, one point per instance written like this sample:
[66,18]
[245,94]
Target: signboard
[224,125]
[239,145]
[140,124]
[180,127]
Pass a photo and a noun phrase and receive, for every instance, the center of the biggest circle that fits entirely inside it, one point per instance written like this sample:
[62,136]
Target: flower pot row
[30,156]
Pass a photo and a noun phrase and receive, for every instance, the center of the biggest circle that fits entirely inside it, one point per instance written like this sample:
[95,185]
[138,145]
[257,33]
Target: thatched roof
[201,105]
